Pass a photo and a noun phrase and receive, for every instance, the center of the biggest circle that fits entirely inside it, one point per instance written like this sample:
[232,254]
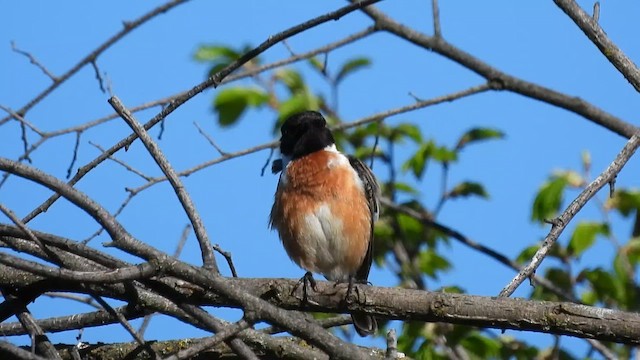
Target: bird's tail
[365,324]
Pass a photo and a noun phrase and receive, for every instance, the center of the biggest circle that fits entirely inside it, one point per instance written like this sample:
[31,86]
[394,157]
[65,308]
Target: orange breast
[322,216]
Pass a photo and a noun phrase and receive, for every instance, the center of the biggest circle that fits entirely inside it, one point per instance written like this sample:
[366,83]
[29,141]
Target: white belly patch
[325,245]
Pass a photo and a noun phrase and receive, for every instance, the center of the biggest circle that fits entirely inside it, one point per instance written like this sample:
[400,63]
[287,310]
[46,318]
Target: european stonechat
[325,206]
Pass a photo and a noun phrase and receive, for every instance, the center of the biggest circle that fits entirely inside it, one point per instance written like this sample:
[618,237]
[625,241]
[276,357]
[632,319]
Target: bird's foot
[353,292]
[306,281]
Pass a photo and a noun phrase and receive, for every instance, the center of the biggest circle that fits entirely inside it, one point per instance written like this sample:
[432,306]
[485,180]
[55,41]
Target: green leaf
[291,79]
[466,189]
[547,203]
[351,66]
[443,154]
[602,283]
[418,162]
[584,236]
[632,249]
[481,346]
[364,152]
[589,298]
[526,254]
[478,134]
[405,188]
[232,102]
[215,53]
[431,263]
[408,130]
[625,201]
[412,228]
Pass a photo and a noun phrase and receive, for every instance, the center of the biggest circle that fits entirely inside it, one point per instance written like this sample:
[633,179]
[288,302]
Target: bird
[325,207]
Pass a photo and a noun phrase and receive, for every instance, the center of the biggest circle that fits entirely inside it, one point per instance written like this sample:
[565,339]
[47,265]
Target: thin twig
[343,126]
[494,254]
[75,154]
[129,26]
[82,299]
[39,340]
[208,259]
[499,79]
[125,324]
[561,222]
[209,139]
[10,214]
[176,254]
[22,120]
[34,61]
[266,163]
[436,18]
[172,105]
[227,256]
[122,163]
[205,344]
[94,64]
[272,40]
[418,105]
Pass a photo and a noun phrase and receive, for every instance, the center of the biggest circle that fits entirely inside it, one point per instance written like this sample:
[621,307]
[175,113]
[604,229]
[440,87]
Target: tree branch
[505,81]
[128,27]
[416,305]
[206,250]
[590,27]
[561,222]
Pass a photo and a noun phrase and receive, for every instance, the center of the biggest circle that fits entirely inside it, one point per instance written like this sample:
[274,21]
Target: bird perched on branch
[325,206]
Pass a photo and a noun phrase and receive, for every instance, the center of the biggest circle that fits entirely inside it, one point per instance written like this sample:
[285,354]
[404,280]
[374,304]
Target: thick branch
[404,304]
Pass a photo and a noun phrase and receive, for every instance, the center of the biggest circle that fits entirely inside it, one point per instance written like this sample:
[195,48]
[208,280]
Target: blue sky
[532,40]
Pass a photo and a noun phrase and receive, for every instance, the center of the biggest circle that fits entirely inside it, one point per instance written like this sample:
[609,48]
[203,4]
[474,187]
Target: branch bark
[590,27]
[404,304]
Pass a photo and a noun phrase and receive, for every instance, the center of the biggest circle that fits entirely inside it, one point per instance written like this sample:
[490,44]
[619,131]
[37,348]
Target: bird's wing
[372,192]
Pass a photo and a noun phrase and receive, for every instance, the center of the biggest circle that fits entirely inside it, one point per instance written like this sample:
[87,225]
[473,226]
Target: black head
[303,134]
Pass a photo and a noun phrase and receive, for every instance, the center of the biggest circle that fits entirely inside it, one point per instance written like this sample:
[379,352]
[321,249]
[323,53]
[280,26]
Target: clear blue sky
[531,40]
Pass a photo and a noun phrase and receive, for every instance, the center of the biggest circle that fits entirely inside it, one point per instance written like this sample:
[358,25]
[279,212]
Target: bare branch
[123,321]
[208,258]
[209,139]
[129,26]
[75,154]
[436,18]
[494,254]
[141,271]
[227,256]
[500,79]
[560,223]
[208,343]
[122,163]
[590,27]
[94,64]
[174,103]
[34,61]
[39,341]
[417,305]
[343,126]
